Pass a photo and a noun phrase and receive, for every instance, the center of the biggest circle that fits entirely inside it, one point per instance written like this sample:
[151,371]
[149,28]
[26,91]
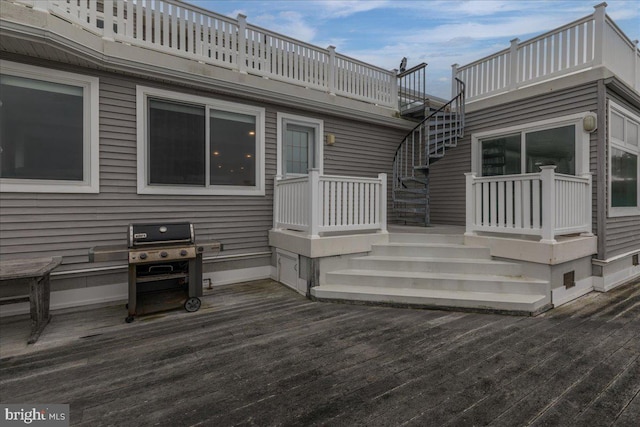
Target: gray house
[296,158]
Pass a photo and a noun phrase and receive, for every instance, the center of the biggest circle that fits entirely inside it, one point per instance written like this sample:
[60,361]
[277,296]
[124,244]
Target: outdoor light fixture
[331,139]
[590,122]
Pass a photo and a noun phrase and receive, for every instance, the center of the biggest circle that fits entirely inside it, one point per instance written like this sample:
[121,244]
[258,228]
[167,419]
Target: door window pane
[176,143]
[624,178]
[41,130]
[552,147]
[299,149]
[233,148]
[501,156]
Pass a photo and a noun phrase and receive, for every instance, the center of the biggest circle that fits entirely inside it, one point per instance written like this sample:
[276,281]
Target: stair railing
[427,142]
[412,88]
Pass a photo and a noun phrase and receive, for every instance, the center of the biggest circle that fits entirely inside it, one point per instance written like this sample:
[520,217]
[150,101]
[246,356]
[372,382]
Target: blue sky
[439,33]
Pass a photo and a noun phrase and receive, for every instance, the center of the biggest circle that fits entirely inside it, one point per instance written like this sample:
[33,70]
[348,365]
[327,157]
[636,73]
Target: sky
[438,32]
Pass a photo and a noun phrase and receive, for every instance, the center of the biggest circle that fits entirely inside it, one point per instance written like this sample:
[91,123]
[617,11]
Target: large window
[195,145]
[624,168]
[48,130]
[560,142]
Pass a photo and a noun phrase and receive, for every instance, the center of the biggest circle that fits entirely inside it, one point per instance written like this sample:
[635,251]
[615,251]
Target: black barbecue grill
[165,266]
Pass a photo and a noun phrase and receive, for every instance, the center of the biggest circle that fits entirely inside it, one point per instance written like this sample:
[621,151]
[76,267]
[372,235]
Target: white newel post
[589,206]
[242,43]
[636,64]
[513,64]
[547,176]
[470,204]
[383,202]
[395,101]
[314,203]
[454,74]
[599,24]
[331,84]
[276,201]
[107,31]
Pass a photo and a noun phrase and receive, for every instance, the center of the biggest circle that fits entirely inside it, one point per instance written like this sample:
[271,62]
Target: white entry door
[299,144]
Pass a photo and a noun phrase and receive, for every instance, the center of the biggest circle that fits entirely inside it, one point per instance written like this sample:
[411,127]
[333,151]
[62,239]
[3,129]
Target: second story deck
[592,43]
[206,43]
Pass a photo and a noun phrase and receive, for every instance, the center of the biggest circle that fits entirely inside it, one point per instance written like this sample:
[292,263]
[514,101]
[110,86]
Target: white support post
[107,31]
[331,84]
[395,100]
[548,200]
[276,201]
[314,203]
[470,203]
[589,206]
[599,24]
[636,65]
[513,64]
[242,43]
[383,202]
[454,74]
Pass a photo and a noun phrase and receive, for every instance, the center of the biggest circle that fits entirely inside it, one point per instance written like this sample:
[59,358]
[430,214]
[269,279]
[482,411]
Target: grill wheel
[192,304]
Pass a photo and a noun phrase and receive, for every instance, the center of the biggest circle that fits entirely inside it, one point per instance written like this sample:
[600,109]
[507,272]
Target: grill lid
[159,233]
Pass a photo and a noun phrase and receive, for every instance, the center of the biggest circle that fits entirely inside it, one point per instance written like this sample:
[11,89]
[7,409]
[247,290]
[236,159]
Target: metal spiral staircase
[424,145]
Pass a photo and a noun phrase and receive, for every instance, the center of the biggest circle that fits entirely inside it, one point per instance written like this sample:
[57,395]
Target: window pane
[233,138]
[299,148]
[552,147]
[176,143]
[632,133]
[617,126]
[41,130]
[624,178]
[501,156]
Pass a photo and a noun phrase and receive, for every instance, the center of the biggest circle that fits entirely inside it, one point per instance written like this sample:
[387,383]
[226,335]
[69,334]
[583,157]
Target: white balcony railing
[592,41]
[545,204]
[322,203]
[185,30]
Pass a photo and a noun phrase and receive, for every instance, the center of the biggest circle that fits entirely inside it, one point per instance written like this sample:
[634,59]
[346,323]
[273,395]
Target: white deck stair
[435,270]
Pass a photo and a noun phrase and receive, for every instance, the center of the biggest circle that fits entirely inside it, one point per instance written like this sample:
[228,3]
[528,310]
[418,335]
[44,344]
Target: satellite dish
[403,65]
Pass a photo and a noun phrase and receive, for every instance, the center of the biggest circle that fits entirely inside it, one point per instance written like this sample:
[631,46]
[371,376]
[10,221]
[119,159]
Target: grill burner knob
[164,254]
[183,252]
[143,256]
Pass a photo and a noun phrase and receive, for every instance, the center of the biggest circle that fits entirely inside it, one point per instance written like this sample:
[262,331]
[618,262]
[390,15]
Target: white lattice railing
[188,31]
[589,42]
[323,203]
[544,204]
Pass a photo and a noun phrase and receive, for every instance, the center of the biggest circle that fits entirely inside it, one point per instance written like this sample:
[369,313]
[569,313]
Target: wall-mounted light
[331,139]
[590,122]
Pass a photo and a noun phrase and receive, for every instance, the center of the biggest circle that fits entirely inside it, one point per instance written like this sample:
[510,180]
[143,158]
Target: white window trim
[143,93]
[283,119]
[614,212]
[91,159]
[582,139]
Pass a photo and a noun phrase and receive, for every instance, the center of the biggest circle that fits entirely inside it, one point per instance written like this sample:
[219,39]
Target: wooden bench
[33,273]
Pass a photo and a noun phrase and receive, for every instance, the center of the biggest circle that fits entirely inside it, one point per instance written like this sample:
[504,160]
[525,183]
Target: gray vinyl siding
[38,224]
[447,174]
[622,233]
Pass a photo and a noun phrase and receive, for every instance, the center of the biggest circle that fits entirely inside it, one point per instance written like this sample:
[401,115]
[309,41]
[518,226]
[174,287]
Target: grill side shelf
[109,253]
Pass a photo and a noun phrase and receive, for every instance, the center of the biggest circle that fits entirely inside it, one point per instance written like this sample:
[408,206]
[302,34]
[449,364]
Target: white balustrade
[323,203]
[186,30]
[592,41]
[545,204]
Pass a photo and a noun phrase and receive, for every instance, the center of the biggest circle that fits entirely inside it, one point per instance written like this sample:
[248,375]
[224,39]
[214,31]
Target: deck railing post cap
[331,47]
[241,16]
[546,167]
[516,40]
[456,65]
[603,4]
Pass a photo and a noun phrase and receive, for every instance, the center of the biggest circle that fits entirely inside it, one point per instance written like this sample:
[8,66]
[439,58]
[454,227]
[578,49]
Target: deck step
[428,238]
[451,281]
[437,265]
[431,250]
[489,301]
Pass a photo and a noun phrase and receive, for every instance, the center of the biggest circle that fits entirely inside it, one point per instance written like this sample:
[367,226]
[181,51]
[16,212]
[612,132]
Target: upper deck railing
[185,30]
[592,41]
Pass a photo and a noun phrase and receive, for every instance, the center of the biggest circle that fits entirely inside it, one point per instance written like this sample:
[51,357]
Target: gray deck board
[259,354]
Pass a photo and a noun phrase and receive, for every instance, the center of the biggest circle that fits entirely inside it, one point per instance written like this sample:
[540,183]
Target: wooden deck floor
[259,354]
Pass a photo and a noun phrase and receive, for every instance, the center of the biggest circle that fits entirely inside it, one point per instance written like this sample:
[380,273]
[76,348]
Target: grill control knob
[164,254]
[183,252]
[143,256]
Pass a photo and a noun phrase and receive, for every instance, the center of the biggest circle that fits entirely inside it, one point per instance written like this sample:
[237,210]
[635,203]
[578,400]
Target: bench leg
[39,297]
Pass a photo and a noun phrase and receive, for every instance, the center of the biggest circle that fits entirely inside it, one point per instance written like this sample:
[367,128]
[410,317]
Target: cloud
[289,23]
[344,8]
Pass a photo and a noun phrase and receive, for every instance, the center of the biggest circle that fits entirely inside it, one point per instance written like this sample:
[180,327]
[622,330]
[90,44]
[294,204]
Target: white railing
[185,30]
[545,204]
[587,43]
[317,203]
